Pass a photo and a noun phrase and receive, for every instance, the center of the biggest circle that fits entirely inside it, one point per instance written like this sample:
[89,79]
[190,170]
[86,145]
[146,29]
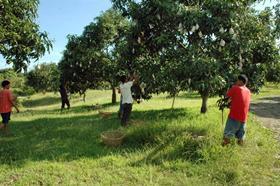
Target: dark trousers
[65,102]
[126,113]
[6,117]
[120,113]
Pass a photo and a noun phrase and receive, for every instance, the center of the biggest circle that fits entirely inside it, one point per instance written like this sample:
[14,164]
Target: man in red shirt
[239,96]
[7,101]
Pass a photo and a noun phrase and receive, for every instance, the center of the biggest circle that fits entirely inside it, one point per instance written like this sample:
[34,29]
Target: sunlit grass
[271,89]
[164,147]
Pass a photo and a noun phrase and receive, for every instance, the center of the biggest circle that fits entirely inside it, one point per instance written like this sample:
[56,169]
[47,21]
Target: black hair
[5,83]
[243,78]
[123,78]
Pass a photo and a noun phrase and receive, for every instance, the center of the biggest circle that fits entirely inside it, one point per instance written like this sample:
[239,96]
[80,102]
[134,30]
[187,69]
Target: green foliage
[44,77]
[273,72]
[198,45]
[18,82]
[79,76]
[277,20]
[17,79]
[91,59]
[21,41]
[25,91]
[223,103]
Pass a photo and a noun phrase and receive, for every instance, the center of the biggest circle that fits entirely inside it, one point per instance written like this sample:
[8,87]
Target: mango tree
[198,45]
[273,70]
[44,77]
[79,68]
[21,40]
[105,36]
[92,58]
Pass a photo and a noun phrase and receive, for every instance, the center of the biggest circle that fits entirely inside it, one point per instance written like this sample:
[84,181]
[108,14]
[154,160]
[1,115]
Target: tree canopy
[44,77]
[199,45]
[21,40]
[91,58]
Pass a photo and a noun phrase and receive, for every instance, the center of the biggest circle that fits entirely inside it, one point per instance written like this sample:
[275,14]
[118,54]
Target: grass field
[162,148]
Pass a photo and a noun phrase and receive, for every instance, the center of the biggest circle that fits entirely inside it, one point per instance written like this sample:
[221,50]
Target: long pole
[222,117]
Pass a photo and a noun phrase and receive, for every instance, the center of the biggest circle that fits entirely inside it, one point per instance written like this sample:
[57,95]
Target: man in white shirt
[127,100]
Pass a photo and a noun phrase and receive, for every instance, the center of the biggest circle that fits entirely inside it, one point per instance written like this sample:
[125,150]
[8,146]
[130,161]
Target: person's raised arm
[135,78]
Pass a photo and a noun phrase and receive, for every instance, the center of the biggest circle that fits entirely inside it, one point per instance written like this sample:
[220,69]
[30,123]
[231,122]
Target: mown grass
[163,147]
[270,89]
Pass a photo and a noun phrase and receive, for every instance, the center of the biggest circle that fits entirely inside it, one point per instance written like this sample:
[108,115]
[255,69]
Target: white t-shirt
[126,92]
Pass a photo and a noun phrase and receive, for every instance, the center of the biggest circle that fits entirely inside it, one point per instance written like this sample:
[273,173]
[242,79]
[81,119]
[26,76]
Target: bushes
[273,72]
[27,91]
[44,77]
[18,82]
[17,79]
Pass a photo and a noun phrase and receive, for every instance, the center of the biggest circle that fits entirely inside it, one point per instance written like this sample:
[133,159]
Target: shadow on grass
[267,107]
[45,101]
[72,110]
[70,138]
[58,139]
[92,107]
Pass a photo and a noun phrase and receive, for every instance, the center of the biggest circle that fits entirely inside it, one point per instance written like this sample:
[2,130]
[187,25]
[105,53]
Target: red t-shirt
[240,102]
[5,101]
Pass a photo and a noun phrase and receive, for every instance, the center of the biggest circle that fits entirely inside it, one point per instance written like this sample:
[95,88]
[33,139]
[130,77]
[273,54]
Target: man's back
[126,92]
[5,101]
[240,102]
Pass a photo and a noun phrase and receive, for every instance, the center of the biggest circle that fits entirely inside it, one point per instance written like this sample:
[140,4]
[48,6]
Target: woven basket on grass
[105,114]
[112,138]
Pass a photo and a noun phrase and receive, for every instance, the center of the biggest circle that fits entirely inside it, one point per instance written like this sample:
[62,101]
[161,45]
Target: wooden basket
[105,114]
[112,138]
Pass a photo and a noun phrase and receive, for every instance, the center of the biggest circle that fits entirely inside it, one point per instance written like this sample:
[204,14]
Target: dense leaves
[76,67]
[18,82]
[92,58]
[44,77]
[21,41]
[198,45]
[273,72]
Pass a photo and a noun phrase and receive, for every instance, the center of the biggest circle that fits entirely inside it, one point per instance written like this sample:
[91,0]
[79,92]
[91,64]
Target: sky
[62,17]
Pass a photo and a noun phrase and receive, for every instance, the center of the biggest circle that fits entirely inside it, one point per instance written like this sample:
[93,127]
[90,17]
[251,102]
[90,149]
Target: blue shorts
[6,117]
[234,129]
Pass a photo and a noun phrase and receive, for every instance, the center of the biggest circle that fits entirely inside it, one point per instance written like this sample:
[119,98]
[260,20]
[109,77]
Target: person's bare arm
[135,78]
[13,101]
[14,105]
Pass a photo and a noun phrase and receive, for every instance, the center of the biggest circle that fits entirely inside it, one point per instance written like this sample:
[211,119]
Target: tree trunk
[114,95]
[173,102]
[204,97]
[84,97]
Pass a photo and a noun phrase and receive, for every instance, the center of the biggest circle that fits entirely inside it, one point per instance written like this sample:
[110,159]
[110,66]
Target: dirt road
[267,111]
